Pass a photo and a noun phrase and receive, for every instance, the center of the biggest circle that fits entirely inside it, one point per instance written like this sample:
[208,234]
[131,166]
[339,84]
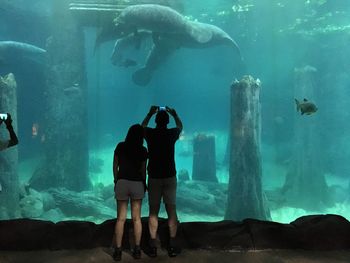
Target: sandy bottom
[103,255]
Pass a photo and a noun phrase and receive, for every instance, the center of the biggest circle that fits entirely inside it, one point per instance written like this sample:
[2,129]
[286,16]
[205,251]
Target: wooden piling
[66,123]
[204,158]
[9,194]
[245,195]
[305,185]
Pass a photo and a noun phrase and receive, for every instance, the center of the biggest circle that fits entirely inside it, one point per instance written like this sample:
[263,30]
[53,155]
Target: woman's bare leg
[136,218]
[121,217]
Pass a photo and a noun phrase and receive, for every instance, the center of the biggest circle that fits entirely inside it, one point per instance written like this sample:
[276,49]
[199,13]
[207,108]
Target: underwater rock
[80,203]
[183,175]
[199,197]
[3,213]
[31,206]
[317,232]
[23,190]
[95,165]
[107,191]
[48,201]
[53,215]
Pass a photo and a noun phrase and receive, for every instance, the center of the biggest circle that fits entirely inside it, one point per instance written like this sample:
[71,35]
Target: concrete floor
[103,255]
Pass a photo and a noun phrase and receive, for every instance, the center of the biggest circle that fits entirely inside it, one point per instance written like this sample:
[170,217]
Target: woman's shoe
[137,252]
[117,255]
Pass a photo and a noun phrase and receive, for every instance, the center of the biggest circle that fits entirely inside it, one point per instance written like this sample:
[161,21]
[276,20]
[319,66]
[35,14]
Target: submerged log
[245,195]
[204,158]
[305,185]
[9,182]
[66,143]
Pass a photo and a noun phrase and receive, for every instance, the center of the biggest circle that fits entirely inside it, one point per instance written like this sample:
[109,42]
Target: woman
[129,170]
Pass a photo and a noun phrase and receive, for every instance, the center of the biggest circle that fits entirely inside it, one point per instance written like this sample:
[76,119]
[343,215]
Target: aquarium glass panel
[261,88]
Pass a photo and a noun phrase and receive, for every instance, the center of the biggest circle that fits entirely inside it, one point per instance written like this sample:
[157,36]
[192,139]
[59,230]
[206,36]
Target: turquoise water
[275,38]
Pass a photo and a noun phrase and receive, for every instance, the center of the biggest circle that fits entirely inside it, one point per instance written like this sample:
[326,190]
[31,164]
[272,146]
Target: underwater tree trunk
[66,141]
[305,185]
[9,193]
[245,196]
[204,158]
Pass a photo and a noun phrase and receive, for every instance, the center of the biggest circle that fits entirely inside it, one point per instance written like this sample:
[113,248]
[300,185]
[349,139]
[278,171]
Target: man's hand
[153,110]
[8,121]
[171,111]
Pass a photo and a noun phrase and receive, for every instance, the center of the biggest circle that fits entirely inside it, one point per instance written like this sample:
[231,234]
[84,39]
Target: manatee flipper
[198,32]
[297,104]
[142,76]
[160,51]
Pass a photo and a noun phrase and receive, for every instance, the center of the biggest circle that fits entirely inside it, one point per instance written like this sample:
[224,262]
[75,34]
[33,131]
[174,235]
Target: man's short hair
[162,118]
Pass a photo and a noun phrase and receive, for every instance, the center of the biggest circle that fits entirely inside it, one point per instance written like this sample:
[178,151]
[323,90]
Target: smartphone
[3,116]
[162,108]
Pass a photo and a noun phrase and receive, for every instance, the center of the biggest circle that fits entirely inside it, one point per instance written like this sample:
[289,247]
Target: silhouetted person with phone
[161,169]
[4,144]
[129,170]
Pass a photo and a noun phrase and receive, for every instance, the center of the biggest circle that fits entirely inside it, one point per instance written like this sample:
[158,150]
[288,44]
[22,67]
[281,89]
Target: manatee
[155,18]
[108,31]
[165,20]
[166,44]
[131,42]
[170,31]
[159,53]
[11,51]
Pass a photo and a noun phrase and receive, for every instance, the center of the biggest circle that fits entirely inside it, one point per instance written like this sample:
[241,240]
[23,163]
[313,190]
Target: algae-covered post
[9,194]
[204,159]
[66,143]
[305,185]
[246,198]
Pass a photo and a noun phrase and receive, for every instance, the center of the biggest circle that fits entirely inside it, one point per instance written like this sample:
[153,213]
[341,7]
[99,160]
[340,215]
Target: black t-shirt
[161,150]
[130,161]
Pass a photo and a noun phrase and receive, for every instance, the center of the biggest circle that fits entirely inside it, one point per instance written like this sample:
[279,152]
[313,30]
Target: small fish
[35,130]
[72,90]
[306,107]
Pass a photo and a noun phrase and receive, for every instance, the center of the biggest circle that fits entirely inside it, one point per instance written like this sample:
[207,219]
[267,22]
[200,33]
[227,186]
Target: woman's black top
[130,161]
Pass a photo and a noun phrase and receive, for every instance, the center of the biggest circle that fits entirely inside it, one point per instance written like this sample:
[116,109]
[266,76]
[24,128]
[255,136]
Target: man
[162,173]
[4,144]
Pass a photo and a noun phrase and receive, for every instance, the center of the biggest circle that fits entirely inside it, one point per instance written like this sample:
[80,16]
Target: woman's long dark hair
[134,137]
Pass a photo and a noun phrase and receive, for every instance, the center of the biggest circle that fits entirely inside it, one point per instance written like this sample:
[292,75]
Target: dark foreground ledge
[319,232]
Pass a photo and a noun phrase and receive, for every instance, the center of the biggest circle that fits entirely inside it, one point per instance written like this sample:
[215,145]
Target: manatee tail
[142,76]
[298,105]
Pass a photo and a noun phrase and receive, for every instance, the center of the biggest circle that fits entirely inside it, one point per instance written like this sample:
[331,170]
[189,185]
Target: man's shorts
[125,189]
[158,188]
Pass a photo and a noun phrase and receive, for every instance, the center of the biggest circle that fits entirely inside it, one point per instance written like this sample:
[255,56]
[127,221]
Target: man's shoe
[117,255]
[137,252]
[171,252]
[152,252]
